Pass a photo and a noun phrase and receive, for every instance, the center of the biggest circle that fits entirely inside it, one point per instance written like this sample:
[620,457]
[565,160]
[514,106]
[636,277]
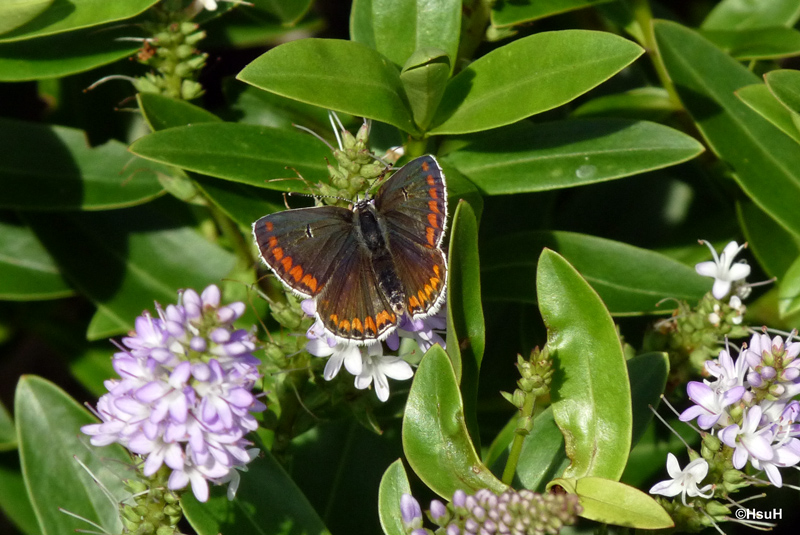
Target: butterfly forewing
[354,308]
[413,202]
[301,245]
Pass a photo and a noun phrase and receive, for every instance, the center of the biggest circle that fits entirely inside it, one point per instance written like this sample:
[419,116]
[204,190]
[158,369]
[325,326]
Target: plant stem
[524,427]
[644,17]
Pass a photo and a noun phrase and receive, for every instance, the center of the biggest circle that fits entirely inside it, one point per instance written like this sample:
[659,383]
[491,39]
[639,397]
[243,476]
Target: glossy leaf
[590,389]
[773,246]
[163,112]
[761,99]
[648,458]
[569,153]
[543,457]
[648,103]
[67,16]
[510,12]
[765,162]
[27,271]
[53,168]
[424,77]
[630,280]
[785,85]
[126,259]
[15,13]
[394,484]
[529,76]
[289,12]
[239,152]
[435,438]
[611,502]
[268,501]
[244,204]
[398,28]
[339,75]
[745,14]
[8,434]
[756,43]
[466,336]
[14,501]
[63,54]
[789,290]
[648,376]
[52,475]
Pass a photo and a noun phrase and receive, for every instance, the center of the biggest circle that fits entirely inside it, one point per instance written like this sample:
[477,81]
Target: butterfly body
[368,266]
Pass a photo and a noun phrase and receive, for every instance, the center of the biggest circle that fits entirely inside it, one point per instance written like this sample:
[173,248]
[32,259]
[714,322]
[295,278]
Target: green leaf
[53,168]
[27,271]
[268,501]
[161,112]
[643,103]
[47,416]
[773,246]
[244,204]
[424,77]
[566,154]
[630,280]
[250,154]
[648,375]
[543,456]
[785,85]
[756,43]
[765,162]
[63,54]
[789,290]
[611,502]
[435,438]
[15,13]
[126,259]
[14,501]
[398,28]
[647,458]
[8,434]
[394,484]
[289,12]
[590,389]
[340,75]
[529,76]
[746,14]
[761,99]
[466,333]
[512,12]
[70,15]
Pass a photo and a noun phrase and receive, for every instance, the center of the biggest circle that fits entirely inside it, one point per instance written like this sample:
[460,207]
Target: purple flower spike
[183,398]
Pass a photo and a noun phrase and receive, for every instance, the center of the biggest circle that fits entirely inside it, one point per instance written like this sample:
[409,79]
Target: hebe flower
[183,398]
[485,512]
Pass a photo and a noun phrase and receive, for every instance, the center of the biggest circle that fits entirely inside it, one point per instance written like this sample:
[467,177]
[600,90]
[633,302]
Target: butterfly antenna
[337,127]
[319,137]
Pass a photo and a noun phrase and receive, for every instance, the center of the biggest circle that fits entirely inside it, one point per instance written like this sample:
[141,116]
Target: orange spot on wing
[369,325]
[425,166]
[431,235]
[413,303]
[358,326]
[273,242]
[433,220]
[277,252]
[310,282]
[433,193]
[334,319]
[429,179]
[428,290]
[287,263]
[434,207]
[269,225]
[344,326]
[383,318]
[296,272]
[436,270]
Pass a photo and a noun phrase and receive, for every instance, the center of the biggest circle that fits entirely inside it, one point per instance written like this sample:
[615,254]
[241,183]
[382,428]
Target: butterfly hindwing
[422,272]
[354,308]
[303,246]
